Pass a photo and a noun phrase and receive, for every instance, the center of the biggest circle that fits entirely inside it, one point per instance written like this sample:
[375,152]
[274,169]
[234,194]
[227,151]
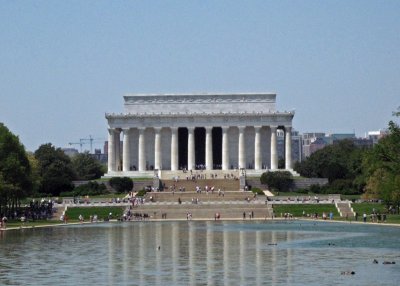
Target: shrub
[141,193]
[121,184]
[257,191]
[316,189]
[302,191]
[90,189]
[278,180]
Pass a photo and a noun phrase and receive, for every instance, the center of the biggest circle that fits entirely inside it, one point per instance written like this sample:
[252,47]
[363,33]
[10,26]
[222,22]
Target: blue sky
[63,64]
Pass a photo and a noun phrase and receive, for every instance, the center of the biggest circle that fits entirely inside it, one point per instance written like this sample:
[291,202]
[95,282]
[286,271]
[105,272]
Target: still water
[201,253]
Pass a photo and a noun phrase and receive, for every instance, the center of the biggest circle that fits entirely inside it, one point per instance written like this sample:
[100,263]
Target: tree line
[45,172]
[375,172]
[372,172]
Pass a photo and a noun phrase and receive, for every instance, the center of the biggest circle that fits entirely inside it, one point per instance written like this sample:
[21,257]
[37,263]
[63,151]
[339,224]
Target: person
[244,215]
[365,217]
[4,222]
[80,218]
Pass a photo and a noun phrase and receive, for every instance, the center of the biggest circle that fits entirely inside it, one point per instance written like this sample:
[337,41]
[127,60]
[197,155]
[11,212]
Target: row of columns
[114,149]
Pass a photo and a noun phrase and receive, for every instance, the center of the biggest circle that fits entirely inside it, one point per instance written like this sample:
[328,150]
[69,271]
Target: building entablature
[199,120]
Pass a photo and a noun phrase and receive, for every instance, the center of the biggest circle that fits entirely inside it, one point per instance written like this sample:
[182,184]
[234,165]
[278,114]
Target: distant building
[70,152]
[363,142]
[375,136]
[100,156]
[296,145]
[312,141]
[331,138]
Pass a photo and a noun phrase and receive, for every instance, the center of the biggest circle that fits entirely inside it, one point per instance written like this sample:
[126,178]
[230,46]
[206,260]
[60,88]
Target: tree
[382,167]
[15,171]
[341,161]
[87,167]
[121,184]
[278,180]
[55,169]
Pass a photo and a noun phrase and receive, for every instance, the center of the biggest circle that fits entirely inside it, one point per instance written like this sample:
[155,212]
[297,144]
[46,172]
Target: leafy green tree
[87,167]
[341,161]
[382,167]
[121,184]
[35,176]
[15,171]
[278,180]
[55,169]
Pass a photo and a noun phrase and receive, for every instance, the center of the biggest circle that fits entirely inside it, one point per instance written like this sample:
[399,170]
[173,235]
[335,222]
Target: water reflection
[194,253]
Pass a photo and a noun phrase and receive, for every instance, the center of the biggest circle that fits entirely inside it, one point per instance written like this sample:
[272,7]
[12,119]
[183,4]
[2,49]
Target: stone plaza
[172,132]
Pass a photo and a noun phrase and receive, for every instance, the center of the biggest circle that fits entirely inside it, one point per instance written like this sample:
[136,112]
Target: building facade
[197,131]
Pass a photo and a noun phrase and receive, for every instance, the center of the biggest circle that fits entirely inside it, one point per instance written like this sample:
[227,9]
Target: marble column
[157,148]
[209,149]
[288,148]
[142,150]
[126,150]
[191,154]
[242,148]
[111,150]
[174,149]
[274,151]
[117,147]
[257,148]
[225,148]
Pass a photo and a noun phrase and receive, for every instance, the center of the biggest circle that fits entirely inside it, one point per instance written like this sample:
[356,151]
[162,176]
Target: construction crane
[80,143]
[89,140]
[77,143]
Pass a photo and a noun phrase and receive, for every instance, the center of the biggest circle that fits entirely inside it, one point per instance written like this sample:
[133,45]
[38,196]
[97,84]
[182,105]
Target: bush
[89,189]
[315,189]
[278,180]
[121,184]
[257,191]
[302,191]
[141,193]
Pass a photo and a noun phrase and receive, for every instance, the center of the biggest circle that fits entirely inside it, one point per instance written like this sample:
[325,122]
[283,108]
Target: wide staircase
[345,210]
[230,210]
[190,185]
[191,197]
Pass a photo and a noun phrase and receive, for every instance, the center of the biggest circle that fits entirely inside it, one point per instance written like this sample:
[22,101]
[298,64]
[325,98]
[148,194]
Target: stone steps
[205,211]
[345,209]
[203,196]
[190,185]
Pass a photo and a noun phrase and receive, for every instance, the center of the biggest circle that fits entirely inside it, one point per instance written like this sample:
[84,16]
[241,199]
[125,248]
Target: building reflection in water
[196,253]
[193,253]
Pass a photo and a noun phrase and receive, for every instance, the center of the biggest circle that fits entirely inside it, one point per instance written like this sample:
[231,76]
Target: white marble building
[191,131]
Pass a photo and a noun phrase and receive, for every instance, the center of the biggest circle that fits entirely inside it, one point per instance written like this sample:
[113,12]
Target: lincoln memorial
[170,132]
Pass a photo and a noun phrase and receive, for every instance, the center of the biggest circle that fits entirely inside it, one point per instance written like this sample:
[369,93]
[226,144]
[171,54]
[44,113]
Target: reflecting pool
[201,253]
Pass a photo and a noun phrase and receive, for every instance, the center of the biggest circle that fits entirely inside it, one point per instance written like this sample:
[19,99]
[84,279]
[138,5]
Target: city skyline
[64,65]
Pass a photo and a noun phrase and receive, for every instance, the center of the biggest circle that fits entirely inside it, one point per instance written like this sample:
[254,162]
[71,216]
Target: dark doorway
[217,147]
[200,146]
[182,147]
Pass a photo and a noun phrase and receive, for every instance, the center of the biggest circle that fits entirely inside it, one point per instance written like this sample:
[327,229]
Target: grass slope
[297,210]
[101,212]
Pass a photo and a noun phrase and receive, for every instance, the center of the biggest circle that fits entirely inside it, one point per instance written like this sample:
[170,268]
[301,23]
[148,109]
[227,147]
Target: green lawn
[368,207]
[297,209]
[18,223]
[350,197]
[101,212]
[380,208]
